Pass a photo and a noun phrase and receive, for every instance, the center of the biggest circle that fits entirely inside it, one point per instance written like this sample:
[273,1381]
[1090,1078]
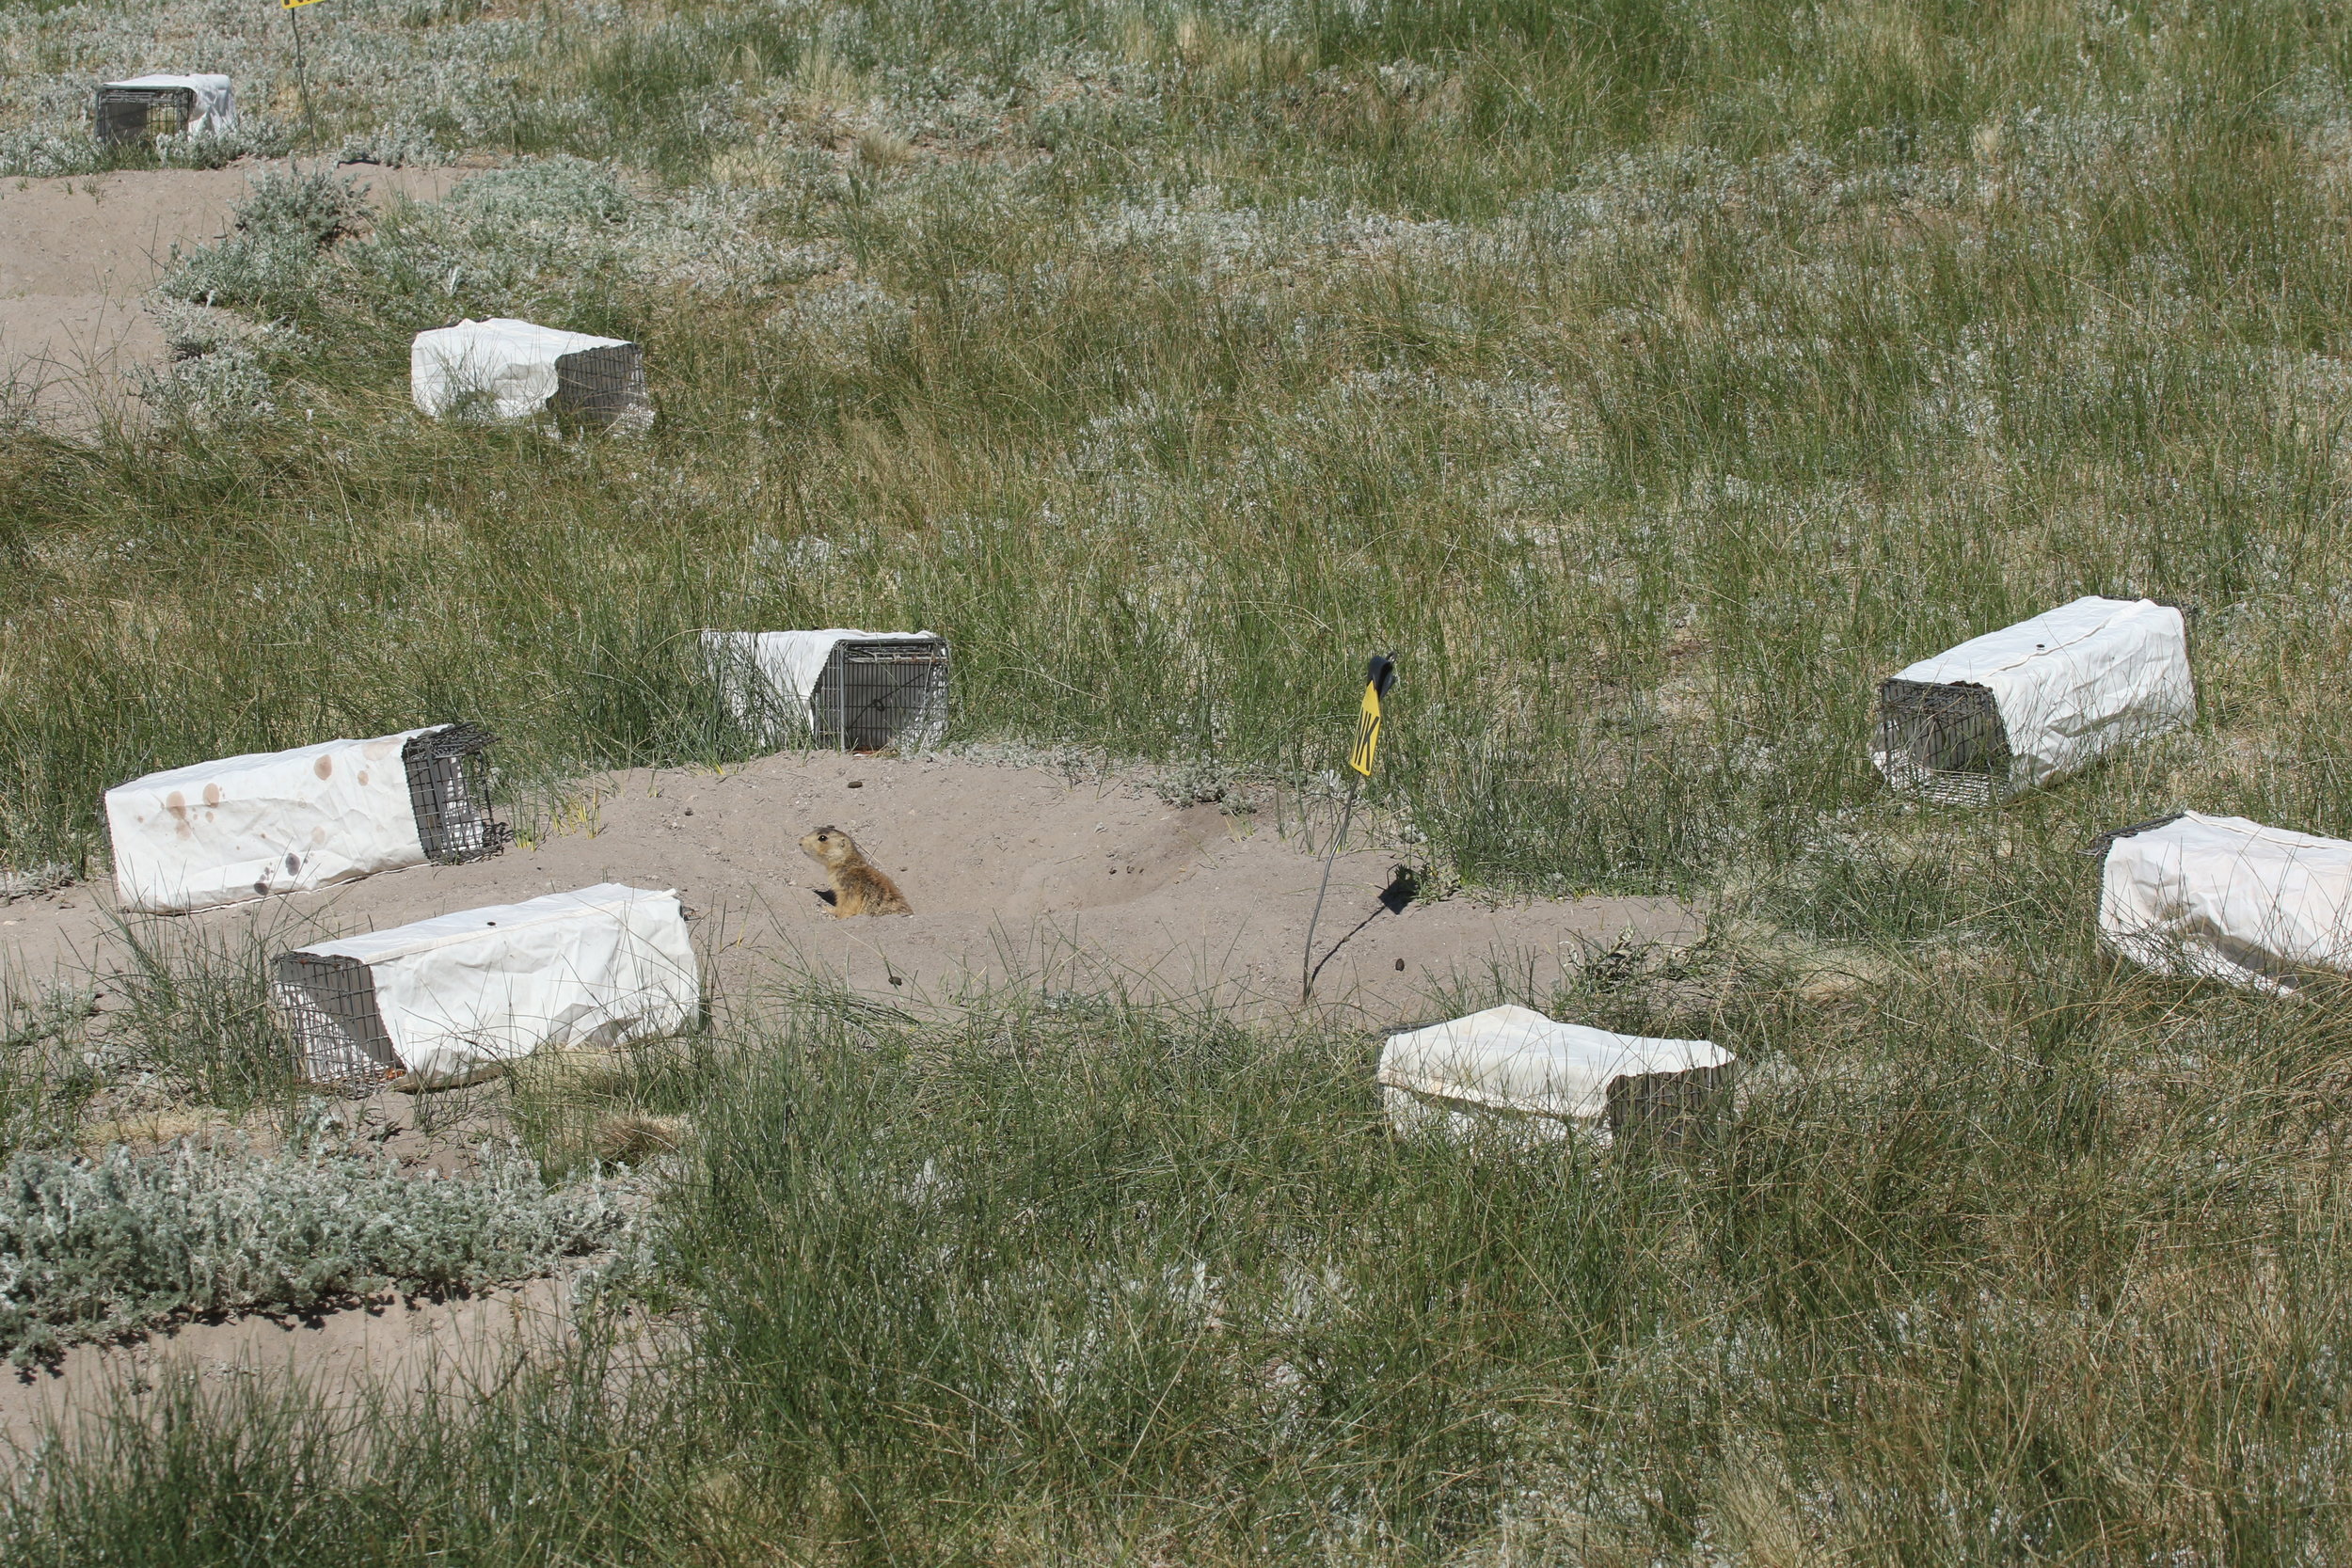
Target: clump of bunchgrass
[191,1464]
[197,1019]
[318,208]
[579,1109]
[268,267]
[48,1066]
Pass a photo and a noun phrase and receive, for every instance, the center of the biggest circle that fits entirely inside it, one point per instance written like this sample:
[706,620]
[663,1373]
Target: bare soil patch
[1014,873]
[78,254]
[393,1349]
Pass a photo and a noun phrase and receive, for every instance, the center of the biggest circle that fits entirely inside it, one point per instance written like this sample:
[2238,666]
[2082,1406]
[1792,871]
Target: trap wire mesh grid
[329,1005]
[1668,1108]
[603,386]
[448,789]
[136,114]
[1944,742]
[882,693]
[2098,849]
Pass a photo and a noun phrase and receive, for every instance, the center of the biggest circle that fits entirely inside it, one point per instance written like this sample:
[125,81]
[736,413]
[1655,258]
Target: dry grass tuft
[626,1137]
[879,149]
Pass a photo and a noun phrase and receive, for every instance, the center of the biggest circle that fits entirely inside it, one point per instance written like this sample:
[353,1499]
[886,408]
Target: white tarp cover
[1516,1060]
[788,663]
[215,103]
[218,832]
[2228,899]
[2073,682]
[512,361]
[599,966]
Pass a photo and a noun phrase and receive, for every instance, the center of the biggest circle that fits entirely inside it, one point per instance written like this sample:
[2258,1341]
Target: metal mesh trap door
[329,1005]
[448,789]
[882,693]
[604,386]
[1666,1108]
[1945,742]
[139,114]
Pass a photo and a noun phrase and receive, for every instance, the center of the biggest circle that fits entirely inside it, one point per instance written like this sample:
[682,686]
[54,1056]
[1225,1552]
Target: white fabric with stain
[599,966]
[1516,1060]
[216,100]
[2225,898]
[2074,682]
[221,832]
[511,363]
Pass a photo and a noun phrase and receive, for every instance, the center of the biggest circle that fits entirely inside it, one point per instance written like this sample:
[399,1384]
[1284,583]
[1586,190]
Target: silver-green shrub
[267,267]
[224,387]
[91,1248]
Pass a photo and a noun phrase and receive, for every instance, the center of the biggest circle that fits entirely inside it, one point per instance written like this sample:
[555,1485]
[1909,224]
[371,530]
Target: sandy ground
[1015,873]
[78,254]
[392,1348]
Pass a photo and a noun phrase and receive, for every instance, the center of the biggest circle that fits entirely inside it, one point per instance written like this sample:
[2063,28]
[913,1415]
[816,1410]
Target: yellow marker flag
[289,5]
[1359,756]
[1379,671]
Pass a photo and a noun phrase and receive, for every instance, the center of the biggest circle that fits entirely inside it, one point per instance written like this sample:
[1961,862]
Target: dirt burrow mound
[1014,873]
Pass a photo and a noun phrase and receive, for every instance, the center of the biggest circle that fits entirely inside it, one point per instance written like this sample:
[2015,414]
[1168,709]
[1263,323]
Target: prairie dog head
[830,847]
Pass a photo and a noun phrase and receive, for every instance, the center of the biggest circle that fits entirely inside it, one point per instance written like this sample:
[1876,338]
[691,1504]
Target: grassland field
[1653,376]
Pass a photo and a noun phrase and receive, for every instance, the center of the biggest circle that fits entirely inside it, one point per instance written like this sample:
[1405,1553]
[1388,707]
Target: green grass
[1999,1262]
[1649,439]
[1653,378]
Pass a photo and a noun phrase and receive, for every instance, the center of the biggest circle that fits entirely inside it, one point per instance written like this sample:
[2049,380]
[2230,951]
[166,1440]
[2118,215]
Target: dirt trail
[393,1348]
[79,254]
[1014,872]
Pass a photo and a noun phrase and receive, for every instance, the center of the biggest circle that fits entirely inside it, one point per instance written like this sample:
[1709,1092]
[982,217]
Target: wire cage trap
[163,103]
[127,114]
[441,1000]
[603,386]
[1944,741]
[329,1005]
[2019,707]
[1511,1069]
[878,692]
[2230,899]
[230,829]
[840,688]
[508,369]
[448,789]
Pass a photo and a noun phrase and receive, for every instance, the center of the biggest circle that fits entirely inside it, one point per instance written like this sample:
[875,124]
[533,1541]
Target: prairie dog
[859,886]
